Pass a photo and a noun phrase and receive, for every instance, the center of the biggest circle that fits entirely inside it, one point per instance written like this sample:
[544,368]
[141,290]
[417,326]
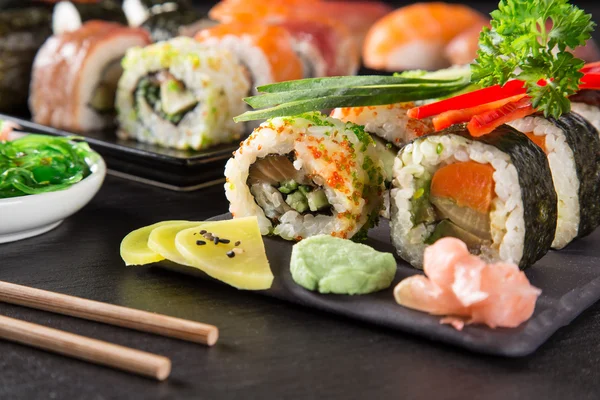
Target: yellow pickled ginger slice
[162,240]
[239,259]
[134,247]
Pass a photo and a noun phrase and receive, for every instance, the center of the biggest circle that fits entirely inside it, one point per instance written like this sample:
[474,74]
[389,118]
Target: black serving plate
[181,170]
[569,279]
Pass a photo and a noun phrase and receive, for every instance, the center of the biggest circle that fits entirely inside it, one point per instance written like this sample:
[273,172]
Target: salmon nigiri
[415,36]
[467,289]
[325,46]
[357,16]
[265,50]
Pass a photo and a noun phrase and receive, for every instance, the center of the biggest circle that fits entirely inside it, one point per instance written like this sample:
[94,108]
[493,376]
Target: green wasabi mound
[328,264]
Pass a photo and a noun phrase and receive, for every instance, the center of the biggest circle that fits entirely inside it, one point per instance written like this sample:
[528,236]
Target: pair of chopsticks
[97,351]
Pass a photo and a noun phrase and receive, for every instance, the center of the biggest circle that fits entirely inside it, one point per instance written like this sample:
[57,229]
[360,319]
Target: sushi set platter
[570,283]
[453,195]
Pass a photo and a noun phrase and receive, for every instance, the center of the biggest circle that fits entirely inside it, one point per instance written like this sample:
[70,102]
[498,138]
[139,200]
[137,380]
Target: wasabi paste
[328,264]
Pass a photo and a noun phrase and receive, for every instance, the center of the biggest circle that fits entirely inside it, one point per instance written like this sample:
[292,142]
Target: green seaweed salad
[38,164]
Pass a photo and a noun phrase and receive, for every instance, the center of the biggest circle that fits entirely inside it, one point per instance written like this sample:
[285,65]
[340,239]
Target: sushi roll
[75,75]
[306,175]
[389,125]
[572,147]
[22,33]
[265,51]
[415,36]
[494,192]
[181,94]
[70,15]
[587,104]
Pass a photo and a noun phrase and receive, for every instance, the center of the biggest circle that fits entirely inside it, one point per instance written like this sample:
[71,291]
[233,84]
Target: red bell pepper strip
[468,100]
[487,121]
[452,117]
[591,68]
[590,80]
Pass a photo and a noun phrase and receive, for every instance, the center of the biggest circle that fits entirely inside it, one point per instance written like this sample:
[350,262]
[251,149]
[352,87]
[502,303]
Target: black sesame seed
[237,243]
[200,242]
[224,241]
[202,232]
[216,240]
[230,254]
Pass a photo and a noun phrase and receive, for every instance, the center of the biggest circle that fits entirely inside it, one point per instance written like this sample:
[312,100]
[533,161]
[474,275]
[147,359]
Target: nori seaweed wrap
[170,24]
[494,192]
[22,32]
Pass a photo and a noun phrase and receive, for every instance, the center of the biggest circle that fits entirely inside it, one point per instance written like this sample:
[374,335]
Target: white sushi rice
[213,76]
[564,175]
[281,136]
[250,56]
[591,113]
[423,156]
[389,122]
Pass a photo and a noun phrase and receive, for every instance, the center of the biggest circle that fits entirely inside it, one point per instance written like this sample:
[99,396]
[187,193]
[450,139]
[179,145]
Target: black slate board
[182,170]
[569,279]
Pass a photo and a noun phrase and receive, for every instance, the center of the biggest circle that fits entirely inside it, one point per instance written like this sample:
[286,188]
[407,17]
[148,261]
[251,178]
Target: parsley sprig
[521,45]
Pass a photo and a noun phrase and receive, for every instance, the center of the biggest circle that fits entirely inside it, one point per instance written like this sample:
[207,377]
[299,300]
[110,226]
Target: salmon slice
[539,140]
[467,290]
[470,184]
[415,36]
[275,43]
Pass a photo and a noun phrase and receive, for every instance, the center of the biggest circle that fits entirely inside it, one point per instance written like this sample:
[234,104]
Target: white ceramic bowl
[26,216]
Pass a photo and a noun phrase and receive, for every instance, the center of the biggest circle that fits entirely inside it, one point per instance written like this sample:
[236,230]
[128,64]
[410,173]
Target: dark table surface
[267,349]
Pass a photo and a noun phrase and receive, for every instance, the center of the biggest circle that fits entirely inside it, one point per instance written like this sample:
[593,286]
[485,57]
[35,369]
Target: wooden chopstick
[84,348]
[108,313]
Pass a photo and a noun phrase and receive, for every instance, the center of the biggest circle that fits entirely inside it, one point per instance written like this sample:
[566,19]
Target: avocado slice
[175,98]
[103,99]
[422,210]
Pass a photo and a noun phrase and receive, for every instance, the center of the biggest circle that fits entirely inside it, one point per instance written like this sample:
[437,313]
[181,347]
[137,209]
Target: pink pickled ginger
[466,289]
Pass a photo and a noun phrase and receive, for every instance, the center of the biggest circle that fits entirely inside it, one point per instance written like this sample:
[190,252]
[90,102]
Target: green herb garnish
[305,95]
[38,164]
[520,45]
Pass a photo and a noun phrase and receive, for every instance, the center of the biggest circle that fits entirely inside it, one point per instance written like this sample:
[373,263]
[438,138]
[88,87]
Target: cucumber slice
[175,99]
[297,201]
[317,200]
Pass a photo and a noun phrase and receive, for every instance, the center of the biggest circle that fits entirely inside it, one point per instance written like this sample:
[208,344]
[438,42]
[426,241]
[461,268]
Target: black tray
[173,169]
[569,279]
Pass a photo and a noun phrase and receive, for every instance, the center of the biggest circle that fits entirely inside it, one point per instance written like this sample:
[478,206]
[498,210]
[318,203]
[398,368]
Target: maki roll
[70,15]
[181,94]
[390,127]
[572,147]
[22,32]
[587,104]
[265,51]
[75,75]
[494,192]
[306,175]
